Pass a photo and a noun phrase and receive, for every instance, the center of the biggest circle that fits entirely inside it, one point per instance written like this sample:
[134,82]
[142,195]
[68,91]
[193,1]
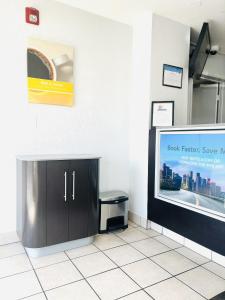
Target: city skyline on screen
[203,154]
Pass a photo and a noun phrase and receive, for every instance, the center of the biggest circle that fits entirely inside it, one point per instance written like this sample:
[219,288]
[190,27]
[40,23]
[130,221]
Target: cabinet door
[79,203]
[57,201]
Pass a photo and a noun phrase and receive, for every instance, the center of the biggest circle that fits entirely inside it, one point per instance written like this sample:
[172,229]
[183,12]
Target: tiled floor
[135,264]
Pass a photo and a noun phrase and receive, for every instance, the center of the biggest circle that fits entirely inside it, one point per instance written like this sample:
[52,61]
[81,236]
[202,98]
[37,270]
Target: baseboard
[156,227]
[218,258]
[174,236]
[143,222]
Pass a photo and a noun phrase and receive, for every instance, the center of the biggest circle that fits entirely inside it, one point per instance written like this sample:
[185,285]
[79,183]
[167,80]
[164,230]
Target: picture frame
[162,113]
[172,76]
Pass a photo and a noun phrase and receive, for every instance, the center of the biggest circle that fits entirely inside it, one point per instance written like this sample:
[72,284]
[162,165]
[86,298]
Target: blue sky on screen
[209,165]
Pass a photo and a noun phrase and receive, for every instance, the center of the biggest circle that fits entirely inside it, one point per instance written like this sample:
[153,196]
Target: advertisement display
[50,73]
[191,169]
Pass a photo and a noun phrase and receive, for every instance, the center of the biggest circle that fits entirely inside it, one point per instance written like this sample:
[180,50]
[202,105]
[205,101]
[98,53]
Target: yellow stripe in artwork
[50,98]
[50,92]
[49,85]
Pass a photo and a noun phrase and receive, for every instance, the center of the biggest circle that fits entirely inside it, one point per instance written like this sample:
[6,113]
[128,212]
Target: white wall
[156,40]
[97,123]
[111,115]
[139,115]
[170,45]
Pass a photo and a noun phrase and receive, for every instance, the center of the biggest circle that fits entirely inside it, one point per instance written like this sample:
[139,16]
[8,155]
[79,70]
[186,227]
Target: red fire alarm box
[32,15]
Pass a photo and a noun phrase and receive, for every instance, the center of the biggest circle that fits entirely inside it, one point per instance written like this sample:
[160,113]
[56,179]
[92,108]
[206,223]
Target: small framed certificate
[162,113]
[172,76]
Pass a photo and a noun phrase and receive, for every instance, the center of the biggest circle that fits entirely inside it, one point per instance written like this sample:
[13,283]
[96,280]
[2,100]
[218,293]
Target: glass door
[205,103]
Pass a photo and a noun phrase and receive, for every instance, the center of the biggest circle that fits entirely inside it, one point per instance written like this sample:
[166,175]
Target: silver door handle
[73,195]
[65,188]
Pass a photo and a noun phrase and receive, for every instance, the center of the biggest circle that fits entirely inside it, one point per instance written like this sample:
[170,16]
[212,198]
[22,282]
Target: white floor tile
[149,232]
[44,261]
[124,255]
[57,275]
[107,241]
[215,268]
[112,284]
[81,251]
[203,281]
[150,247]
[140,295]
[73,291]
[14,264]
[61,279]
[19,286]
[173,262]
[93,264]
[172,289]
[9,237]
[195,257]
[36,297]
[145,272]
[11,249]
[168,242]
[131,235]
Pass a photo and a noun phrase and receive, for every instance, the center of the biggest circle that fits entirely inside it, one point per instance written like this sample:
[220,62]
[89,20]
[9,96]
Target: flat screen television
[200,54]
[190,169]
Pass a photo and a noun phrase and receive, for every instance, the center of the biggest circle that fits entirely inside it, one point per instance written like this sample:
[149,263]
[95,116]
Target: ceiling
[189,12]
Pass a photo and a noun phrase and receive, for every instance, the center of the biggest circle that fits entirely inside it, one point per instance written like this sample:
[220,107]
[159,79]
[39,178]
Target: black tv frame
[195,55]
[202,229]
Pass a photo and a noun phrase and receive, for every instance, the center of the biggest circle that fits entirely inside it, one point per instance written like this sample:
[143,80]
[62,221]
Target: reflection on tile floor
[135,264]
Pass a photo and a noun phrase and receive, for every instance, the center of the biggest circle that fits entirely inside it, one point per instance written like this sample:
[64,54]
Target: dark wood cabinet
[56,205]
[67,193]
[80,200]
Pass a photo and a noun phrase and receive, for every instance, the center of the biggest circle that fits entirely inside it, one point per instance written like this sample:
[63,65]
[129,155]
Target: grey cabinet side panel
[93,211]
[34,204]
[20,174]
